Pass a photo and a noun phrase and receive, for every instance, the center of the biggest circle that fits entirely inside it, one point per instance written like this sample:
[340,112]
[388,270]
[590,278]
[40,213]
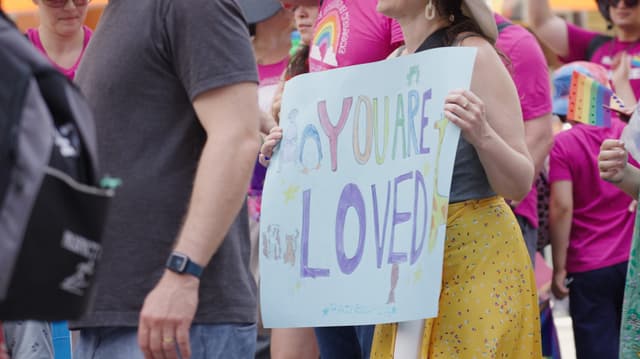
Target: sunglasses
[627,3]
[62,3]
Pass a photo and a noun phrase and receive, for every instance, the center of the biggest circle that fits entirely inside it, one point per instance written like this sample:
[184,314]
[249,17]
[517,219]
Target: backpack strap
[595,44]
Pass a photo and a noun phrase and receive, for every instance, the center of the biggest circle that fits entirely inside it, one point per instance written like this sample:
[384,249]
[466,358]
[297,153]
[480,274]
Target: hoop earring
[430,11]
[452,18]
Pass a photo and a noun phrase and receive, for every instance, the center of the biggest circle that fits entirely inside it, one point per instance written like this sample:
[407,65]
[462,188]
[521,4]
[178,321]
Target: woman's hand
[270,142]
[467,111]
[612,160]
[620,78]
[559,284]
[621,65]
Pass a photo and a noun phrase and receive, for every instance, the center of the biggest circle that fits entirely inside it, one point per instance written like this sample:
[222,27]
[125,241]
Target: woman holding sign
[488,304]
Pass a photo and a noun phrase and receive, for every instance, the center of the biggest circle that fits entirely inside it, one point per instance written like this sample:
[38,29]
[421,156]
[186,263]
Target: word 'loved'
[352,198]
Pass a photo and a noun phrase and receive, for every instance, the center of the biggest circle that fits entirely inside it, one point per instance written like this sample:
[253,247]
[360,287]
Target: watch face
[177,262]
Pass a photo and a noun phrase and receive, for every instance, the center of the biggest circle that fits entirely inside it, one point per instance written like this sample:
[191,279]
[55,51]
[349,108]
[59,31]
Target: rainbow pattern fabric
[635,61]
[590,102]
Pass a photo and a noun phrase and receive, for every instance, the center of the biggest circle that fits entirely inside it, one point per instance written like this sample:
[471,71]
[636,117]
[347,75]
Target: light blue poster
[355,200]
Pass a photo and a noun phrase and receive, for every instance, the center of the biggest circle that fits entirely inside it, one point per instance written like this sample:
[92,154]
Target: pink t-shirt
[602,226]
[529,72]
[269,76]
[579,40]
[351,32]
[34,37]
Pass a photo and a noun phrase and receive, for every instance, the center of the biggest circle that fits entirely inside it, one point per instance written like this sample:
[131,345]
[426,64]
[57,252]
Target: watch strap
[193,269]
[181,263]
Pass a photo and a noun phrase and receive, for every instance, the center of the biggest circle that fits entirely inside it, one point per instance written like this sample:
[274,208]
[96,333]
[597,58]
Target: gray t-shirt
[145,64]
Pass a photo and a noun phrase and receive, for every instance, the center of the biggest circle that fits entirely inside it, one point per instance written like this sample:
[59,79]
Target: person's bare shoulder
[475,40]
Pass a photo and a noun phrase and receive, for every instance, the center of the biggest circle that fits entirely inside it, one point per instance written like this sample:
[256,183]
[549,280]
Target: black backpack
[52,209]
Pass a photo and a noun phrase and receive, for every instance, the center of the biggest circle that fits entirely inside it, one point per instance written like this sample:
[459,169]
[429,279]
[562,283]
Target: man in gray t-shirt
[173,86]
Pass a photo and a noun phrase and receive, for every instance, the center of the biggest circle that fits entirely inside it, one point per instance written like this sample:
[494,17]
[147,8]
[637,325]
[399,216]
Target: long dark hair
[461,22]
[298,63]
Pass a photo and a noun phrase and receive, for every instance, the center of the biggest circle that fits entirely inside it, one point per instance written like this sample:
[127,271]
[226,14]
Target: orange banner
[574,5]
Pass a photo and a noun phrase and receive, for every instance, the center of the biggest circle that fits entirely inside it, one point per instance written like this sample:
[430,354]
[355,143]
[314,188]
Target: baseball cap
[256,11]
[561,80]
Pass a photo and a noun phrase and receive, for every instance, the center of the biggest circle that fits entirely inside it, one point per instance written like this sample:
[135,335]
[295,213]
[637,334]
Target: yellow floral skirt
[488,304]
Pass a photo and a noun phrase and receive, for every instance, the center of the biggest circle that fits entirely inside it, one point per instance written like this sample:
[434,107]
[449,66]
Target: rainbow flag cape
[635,61]
[590,102]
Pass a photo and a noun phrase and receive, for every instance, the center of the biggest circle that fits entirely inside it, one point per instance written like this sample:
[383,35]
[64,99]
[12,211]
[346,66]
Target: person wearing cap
[271,24]
[173,87]
[295,343]
[482,271]
[572,43]
[271,44]
[590,225]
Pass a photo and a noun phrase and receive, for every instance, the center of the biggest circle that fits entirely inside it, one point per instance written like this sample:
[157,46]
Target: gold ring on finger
[167,340]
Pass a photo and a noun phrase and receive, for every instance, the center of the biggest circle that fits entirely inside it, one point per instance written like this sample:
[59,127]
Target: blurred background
[581,12]
[25,12]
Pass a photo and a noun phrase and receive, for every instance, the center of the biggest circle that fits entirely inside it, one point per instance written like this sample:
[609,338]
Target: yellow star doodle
[290,193]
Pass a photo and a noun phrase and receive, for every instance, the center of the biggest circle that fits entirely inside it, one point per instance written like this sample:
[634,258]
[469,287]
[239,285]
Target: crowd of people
[187,97]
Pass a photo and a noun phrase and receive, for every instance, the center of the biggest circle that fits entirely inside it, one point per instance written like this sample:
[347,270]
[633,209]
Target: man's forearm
[219,189]
[548,27]
[539,12]
[559,230]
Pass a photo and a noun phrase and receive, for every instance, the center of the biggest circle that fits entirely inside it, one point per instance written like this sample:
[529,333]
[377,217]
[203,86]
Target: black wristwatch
[181,264]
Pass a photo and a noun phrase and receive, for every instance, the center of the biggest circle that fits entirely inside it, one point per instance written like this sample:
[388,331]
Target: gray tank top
[469,179]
